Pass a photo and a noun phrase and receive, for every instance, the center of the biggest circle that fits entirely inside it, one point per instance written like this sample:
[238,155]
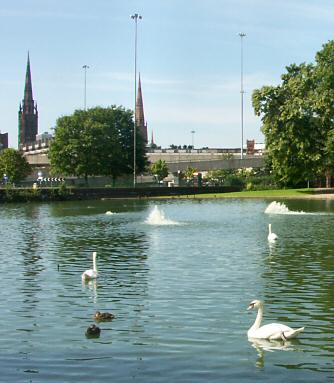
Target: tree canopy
[297,118]
[159,169]
[13,165]
[189,173]
[97,141]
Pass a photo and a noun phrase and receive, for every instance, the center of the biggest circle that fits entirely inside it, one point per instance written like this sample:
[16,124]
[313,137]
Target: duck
[93,331]
[91,273]
[271,331]
[100,317]
[272,237]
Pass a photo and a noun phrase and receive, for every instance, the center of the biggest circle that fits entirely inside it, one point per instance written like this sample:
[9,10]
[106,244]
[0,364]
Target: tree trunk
[328,178]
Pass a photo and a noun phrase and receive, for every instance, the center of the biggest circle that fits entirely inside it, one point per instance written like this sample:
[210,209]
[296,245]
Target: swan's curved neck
[270,228]
[94,262]
[258,319]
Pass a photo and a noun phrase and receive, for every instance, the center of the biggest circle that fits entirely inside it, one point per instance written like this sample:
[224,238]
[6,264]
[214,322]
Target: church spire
[28,87]
[28,114]
[140,119]
[152,139]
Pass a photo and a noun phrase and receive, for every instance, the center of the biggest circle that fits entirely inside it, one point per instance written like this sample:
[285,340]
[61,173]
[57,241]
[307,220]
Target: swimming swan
[272,331]
[91,273]
[272,237]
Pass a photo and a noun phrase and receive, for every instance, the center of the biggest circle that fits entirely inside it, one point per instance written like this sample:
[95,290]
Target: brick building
[3,141]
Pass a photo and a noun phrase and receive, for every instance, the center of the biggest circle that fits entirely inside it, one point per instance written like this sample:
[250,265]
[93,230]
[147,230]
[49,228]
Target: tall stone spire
[28,114]
[28,87]
[152,139]
[140,119]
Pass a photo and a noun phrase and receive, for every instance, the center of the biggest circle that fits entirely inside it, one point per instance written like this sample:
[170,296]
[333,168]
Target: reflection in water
[265,345]
[272,248]
[298,282]
[176,291]
[32,235]
[122,249]
[91,286]
[85,209]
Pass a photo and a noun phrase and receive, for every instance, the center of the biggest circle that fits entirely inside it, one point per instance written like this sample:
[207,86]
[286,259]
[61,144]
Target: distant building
[3,141]
[141,125]
[46,136]
[254,148]
[250,147]
[28,114]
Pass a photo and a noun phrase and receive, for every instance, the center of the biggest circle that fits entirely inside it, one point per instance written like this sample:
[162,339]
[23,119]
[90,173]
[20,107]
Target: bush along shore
[64,193]
[11,194]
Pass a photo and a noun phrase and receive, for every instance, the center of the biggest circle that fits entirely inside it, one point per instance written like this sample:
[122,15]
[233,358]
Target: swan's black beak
[251,306]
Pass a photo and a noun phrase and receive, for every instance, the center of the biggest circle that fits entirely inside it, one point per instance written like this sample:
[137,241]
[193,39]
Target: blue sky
[188,57]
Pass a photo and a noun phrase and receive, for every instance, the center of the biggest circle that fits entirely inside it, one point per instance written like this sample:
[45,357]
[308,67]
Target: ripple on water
[179,292]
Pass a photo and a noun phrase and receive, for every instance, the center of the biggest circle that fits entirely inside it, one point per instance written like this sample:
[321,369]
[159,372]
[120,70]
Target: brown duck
[103,317]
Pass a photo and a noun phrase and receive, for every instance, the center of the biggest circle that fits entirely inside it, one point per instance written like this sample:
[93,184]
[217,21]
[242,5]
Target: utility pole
[85,67]
[135,17]
[242,35]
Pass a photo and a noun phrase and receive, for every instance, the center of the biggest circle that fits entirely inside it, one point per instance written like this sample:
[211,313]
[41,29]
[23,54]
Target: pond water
[179,276]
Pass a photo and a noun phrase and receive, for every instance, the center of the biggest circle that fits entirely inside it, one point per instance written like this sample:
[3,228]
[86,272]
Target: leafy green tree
[293,132]
[298,118]
[14,165]
[329,151]
[324,105]
[189,174]
[217,176]
[159,169]
[324,91]
[97,141]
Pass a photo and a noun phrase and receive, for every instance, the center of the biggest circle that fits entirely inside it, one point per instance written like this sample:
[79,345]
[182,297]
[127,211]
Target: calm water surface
[179,291]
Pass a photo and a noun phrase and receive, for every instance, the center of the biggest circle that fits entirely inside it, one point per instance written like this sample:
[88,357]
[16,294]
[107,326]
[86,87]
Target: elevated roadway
[181,160]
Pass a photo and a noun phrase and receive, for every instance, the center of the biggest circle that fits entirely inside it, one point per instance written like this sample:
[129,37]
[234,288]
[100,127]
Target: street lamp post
[242,35]
[135,17]
[192,138]
[85,67]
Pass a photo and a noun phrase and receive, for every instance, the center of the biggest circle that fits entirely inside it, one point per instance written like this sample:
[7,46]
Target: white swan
[272,237]
[91,273]
[109,212]
[272,331]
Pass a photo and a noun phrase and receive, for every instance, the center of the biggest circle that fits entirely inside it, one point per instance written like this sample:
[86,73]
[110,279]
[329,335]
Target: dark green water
[179,291]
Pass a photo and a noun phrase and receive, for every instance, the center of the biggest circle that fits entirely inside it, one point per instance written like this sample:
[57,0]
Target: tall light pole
[135,17]
[242,35]
[192,138]
[85,67]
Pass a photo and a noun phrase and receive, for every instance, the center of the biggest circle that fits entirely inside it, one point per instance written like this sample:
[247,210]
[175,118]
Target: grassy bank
[65,193]
[283,193]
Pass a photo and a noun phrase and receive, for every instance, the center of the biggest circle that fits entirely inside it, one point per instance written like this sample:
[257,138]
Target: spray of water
[157,217]
[280,208]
